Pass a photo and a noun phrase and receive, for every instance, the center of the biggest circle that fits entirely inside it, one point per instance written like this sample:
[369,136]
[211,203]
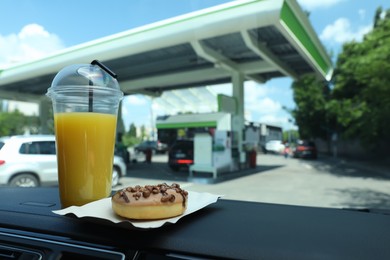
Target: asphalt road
[325,182]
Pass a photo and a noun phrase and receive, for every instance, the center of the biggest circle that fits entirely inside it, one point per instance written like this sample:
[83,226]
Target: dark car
[155,146]
[305,149]
[181,154]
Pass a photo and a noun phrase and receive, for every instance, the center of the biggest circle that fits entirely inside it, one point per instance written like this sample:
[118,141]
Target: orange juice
[85,153]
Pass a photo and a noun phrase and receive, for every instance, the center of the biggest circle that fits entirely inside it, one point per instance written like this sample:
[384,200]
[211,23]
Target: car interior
[227,229]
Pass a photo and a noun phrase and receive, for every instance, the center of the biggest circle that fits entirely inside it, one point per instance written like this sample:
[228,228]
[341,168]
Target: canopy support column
[44,107]
[238,121]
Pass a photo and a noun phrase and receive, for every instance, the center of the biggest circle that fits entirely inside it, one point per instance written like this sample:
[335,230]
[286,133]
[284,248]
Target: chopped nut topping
[149,190]
[146,193]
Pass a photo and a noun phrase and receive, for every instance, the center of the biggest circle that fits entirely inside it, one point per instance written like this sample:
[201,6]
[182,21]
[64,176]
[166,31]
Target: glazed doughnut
[150,202]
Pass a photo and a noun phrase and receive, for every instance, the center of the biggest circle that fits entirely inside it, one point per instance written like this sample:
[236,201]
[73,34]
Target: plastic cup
[85,101]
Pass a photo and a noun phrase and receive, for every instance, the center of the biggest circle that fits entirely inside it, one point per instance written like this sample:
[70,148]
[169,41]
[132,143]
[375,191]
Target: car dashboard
[227,229]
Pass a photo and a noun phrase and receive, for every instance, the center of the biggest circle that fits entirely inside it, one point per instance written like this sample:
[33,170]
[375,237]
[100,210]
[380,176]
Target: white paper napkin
[101,209]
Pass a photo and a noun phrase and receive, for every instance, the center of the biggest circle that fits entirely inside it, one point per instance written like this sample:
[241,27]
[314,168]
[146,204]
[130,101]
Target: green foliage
[14,123]
[143,132]
[290,136]
[130,141]
[310,96]
[132,130]
[130,138]
[357,105]
[363,86]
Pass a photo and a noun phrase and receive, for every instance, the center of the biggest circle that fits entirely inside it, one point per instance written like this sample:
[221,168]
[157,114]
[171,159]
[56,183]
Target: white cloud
[135,109]
[259,106]
[273,120]
[267,106]
[341,31]
[362,13]
[252,87]
[266,111]
[277,120]
[253,92]
[32,42]
[135,100]
[313,4]
[257,100]
[32,31]
[383,14]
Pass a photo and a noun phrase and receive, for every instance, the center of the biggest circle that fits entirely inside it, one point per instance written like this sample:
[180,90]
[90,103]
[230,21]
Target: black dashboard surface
[226,229]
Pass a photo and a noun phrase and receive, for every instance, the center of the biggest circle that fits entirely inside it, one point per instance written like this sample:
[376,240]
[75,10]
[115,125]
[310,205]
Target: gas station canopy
[260,40]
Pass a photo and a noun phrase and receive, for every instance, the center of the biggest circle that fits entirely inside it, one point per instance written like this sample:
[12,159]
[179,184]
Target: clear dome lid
[84,77]
[85,88]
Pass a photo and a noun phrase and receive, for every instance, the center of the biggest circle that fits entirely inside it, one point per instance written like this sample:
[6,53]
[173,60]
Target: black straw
[104,67]
[90,94]
[90,97]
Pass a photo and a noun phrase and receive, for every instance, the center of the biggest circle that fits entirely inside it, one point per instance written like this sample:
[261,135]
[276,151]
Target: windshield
[293,109]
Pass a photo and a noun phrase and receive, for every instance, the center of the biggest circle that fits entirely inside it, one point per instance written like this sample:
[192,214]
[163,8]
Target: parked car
[31,161]
[274,146]
[305,149]
[155,146]
[119,169]
[181,154]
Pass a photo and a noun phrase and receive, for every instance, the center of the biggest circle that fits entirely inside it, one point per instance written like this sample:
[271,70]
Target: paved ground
[325,182]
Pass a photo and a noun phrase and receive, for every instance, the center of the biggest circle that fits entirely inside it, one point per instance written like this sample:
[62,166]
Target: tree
[143,132]
[16,123]
[310,96]
[357,104]
[130,137]
[290,136]
[362,86]
[132,130]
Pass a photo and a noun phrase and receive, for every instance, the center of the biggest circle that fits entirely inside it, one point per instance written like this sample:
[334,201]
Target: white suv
[274,146]
[30,161]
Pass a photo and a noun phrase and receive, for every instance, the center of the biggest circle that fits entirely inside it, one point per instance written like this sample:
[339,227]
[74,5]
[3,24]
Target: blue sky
[31,29]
